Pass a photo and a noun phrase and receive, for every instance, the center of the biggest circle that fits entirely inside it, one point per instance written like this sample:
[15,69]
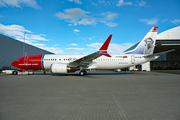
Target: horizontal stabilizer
[105,54]
[160,53]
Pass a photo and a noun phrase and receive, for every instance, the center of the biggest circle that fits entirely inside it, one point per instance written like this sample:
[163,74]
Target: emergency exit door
[132,59]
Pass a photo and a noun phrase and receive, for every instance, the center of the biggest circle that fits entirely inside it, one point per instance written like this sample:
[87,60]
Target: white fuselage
[116,61]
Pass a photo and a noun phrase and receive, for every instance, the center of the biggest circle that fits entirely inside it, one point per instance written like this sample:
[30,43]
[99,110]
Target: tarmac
[102,95]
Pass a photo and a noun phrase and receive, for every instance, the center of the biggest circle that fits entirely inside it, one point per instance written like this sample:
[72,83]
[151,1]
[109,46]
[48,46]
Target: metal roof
[171,34]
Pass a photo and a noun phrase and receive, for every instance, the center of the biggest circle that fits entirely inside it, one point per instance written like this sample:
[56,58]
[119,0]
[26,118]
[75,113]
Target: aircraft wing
[84,61]
[87,60]
[160,53]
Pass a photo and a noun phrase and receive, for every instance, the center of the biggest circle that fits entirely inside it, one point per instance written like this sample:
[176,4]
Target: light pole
[24,45]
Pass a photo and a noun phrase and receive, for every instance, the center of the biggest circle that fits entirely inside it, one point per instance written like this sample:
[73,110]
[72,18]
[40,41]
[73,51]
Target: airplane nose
[14,64]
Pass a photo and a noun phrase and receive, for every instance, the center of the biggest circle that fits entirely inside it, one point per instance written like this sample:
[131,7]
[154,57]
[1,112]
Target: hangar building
[167,40]
[11,49]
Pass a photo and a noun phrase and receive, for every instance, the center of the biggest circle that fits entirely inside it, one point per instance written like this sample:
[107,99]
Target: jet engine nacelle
[59,68]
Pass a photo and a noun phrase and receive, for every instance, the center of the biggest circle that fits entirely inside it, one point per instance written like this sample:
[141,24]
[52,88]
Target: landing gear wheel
[85,73]
[14,72]
[82,73]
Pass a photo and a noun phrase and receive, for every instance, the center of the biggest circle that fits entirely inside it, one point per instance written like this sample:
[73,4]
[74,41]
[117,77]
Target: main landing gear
[82,72]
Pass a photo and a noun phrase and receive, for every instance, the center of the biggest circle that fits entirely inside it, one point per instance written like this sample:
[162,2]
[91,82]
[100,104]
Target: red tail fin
[106,43]
[104,47]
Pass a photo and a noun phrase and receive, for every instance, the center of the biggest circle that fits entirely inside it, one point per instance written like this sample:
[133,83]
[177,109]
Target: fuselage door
[132,59]
[26,60]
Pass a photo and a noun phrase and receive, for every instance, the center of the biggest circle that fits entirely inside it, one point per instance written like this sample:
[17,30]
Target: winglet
[104,47]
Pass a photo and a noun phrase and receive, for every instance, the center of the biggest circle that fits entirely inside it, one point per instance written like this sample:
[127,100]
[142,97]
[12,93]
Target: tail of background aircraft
[146,45]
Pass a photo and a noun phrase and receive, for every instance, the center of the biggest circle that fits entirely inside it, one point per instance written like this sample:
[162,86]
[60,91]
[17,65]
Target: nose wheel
[14,72]
[82,72]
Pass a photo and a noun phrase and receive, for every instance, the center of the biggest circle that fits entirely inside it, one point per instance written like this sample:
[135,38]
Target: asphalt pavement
[102,95]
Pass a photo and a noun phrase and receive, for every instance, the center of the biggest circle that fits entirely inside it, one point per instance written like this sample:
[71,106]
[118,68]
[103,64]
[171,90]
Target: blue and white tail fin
[146,45]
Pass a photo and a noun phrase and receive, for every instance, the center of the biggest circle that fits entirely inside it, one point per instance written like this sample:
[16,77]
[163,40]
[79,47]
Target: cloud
[153,21]
[91,38]
[165,20]
[95,45]
[88,21]
[110,24]
[70,25]
[19,3]
[17,32]
[77,16]
[38,37]
[72,15]
[87,38]
[122,3]
[95,4]
[117,48]
[75,48]
[142,3]
[101,1]
[76,30]
[107,2]
[108,16]
[56,45]
[76,1]
[55,50]
[73,44]
[113,48]
[13,30]
[176,21]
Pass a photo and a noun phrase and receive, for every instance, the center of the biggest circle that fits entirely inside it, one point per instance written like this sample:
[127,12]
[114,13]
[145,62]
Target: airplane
[140,53]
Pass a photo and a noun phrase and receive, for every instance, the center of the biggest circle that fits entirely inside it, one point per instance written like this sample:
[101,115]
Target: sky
[82,26]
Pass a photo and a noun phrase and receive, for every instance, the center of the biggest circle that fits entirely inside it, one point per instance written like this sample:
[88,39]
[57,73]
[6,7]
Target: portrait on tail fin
[149,46]
[146,45]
